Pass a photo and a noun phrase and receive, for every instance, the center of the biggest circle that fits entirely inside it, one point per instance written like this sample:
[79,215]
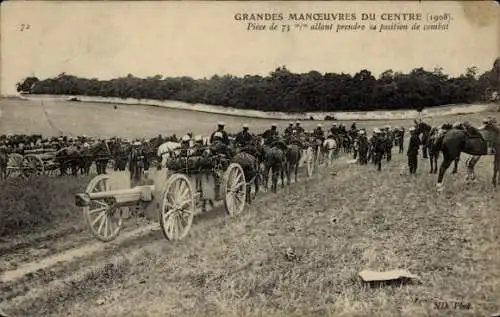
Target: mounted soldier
[353,126]
[289,130]
[271,135]
[220,130]
[298,130]
[318,133]
[218,145]
[185,149]
[243,138]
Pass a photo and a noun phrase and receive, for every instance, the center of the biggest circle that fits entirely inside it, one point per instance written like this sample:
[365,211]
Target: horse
[275,160]
[469,140]
[293,156]
[249,161]
[434,147]
[330,148]
[422,128]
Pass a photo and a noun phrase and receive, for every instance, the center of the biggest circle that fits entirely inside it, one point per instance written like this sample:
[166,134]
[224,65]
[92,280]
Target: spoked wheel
[318,156]
[309,161]
[15,165]
[102,218]
[235,189]
[33,165]
[177,207]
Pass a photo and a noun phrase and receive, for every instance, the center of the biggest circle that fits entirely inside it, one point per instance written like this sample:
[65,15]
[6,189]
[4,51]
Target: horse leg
[455,166]
[282,174]
[275,179]
[496,167]
[431,160]
[288,171]
[442,170]
[471,175]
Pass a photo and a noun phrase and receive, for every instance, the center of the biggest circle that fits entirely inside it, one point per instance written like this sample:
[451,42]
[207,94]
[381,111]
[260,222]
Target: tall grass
[38,203]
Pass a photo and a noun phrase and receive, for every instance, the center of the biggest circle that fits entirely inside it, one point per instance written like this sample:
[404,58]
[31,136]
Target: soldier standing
[378,148]
[412,152]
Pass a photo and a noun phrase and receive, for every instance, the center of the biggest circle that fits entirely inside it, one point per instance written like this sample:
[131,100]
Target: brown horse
[293,156]
[274,160]
[434,147]
[473,142]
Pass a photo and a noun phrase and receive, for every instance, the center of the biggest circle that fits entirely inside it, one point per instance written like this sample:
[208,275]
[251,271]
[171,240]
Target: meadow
[294,253]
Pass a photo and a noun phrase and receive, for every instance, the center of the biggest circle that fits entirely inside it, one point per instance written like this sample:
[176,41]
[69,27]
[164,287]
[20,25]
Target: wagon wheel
[235,189]
[317,158]
[33,165]
[309,161]
[102,218]
[177,207]
[15,165]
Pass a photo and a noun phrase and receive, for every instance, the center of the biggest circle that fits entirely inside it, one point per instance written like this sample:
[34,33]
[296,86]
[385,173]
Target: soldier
[378,144]
[353,126]
[318,133]
[136,163]
[198,147]
[218,146]
[334,129]
[413,146]
[220,128]
[271,135]
[243,138]
[487,121]
[363,147]
[288,131]
[401,139]
[185,145]
[389,143]
[298,129]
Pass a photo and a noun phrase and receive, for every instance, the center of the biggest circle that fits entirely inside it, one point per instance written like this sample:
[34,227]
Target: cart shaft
[120,196]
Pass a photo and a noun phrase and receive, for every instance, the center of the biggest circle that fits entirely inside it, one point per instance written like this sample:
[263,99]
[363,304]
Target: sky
[199,39]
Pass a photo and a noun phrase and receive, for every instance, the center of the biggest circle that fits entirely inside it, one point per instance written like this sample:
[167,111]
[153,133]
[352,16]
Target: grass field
[335,225]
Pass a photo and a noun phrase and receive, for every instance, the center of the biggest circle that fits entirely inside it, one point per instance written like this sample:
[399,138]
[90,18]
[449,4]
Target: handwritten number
[24,27]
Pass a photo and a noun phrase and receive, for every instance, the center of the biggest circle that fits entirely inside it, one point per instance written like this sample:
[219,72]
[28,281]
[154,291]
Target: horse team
[279,154]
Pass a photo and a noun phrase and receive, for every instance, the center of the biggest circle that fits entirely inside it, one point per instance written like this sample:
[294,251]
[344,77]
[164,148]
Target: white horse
[330,147]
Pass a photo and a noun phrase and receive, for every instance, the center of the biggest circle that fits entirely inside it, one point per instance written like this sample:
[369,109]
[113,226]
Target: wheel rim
[101,217]
[33,165]
[310,162]
[177,210]
[235,189]
[15,165]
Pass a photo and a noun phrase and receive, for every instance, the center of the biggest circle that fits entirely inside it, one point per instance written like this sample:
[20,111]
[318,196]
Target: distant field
[53,117]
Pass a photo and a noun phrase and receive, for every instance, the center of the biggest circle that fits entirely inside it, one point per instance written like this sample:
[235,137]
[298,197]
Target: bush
[38,203]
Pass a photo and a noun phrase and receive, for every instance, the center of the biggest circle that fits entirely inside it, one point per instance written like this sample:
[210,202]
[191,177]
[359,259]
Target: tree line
[286,91]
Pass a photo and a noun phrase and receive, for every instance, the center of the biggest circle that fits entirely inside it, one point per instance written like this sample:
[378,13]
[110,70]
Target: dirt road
[296,253]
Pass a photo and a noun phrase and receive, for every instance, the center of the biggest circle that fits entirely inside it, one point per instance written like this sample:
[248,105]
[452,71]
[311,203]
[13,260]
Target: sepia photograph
[250,158]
